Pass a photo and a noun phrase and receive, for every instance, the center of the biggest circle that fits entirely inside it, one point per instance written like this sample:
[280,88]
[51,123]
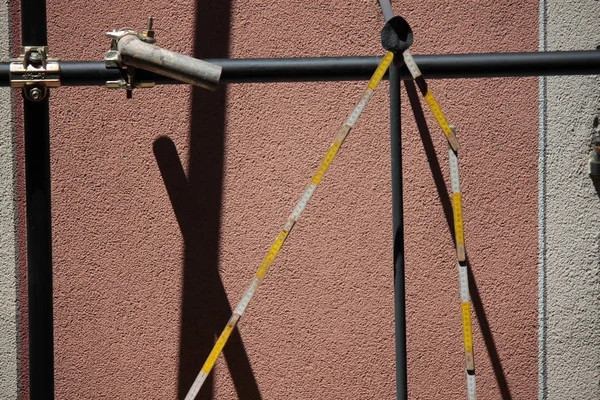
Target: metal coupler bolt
[36,94]
[35,58]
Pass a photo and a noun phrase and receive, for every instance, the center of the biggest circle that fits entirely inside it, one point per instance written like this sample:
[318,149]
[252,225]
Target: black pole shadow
[434,163]
[486,332]
[446,202]
[196,201]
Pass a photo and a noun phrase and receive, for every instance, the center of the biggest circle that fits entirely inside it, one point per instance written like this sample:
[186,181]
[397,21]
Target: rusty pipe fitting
[137,53]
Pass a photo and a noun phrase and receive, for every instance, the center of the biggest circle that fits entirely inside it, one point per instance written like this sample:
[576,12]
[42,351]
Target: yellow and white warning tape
[289,224]
[467,330]
[463,275]
[457,205]
[415,72]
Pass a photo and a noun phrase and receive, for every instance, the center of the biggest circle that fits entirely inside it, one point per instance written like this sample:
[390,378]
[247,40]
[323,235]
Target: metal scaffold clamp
[130,50]
[34,72]
[113,59]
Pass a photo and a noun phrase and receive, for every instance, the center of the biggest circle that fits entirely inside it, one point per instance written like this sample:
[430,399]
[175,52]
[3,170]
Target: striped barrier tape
[467,330]
[463,275]
[289,224]
[431,101]
[457,205]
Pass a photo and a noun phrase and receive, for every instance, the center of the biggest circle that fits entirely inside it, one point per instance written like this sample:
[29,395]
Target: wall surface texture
[572,219]
[164,206]
[8,244]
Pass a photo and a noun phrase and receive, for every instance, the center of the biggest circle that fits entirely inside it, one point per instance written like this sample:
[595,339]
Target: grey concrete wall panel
[572,212]
[8,258]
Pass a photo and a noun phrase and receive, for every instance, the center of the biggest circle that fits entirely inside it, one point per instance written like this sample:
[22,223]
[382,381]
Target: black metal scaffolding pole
[398,235]
[37,152]
[447,66]
[39,236]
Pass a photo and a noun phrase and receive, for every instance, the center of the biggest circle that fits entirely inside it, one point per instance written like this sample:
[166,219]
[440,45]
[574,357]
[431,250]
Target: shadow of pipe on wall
[196,200]
[444,197]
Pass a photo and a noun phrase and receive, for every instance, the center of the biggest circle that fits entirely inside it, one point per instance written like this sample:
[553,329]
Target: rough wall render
[572,218]
[164,205]
[8,258]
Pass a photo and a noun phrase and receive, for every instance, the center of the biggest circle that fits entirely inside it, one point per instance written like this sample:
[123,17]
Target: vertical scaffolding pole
[398,229]
[39,236]
[397,220]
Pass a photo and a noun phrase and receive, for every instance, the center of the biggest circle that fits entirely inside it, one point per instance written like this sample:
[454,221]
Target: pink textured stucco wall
[158,199]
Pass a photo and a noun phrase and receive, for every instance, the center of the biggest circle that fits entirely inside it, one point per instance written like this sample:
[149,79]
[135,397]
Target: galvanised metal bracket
[113,59]
[130,50]
[34,72]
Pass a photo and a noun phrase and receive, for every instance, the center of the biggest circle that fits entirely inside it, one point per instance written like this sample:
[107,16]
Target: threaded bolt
[36,94]
[35,58]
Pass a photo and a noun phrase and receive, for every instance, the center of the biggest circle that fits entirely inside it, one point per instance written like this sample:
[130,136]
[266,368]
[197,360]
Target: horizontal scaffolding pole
[448,66]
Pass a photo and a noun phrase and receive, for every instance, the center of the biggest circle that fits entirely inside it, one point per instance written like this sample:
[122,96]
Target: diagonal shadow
[486,332]
[434,164]
[442,190]
[196,200]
